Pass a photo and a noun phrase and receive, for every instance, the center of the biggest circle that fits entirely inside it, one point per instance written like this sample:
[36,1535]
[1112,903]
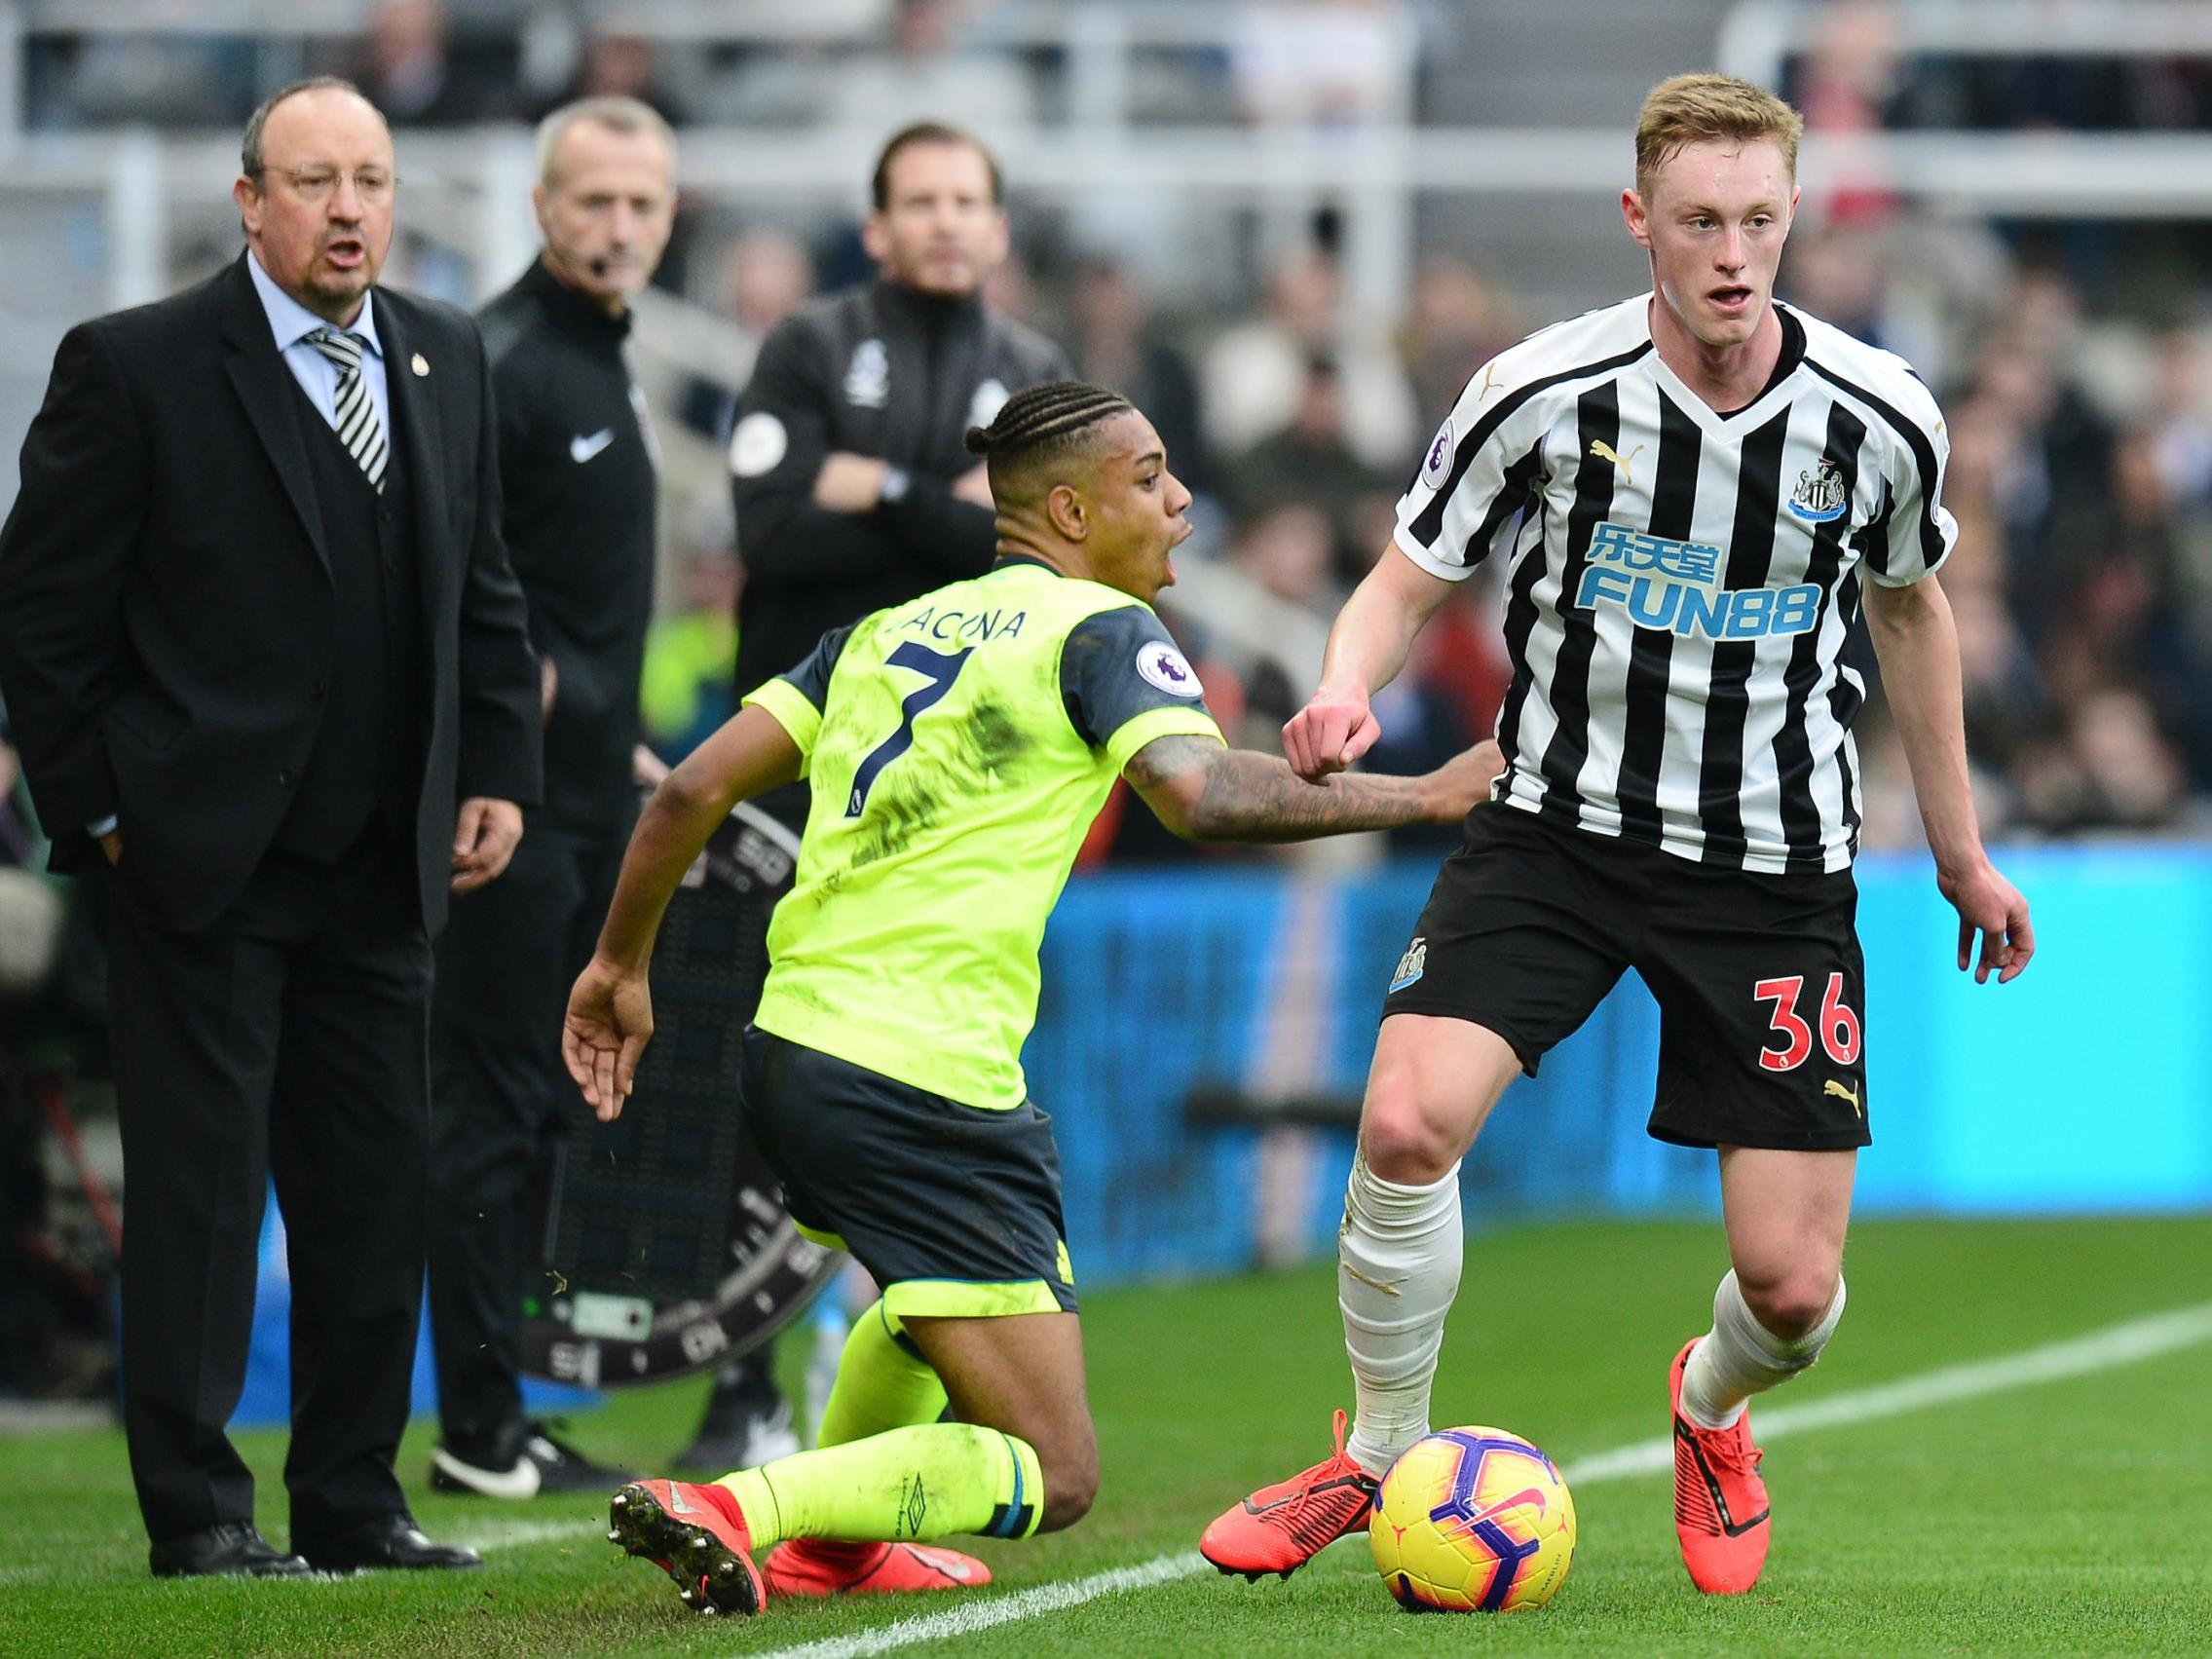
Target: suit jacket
[166,601]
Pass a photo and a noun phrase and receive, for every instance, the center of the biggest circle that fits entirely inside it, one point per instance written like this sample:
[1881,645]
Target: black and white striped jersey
[1679,583]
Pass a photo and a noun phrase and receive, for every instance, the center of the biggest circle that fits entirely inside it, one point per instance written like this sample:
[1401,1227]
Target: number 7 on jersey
[939,673]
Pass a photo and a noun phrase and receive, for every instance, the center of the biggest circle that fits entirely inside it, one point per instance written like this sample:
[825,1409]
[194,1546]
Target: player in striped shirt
[1694,493]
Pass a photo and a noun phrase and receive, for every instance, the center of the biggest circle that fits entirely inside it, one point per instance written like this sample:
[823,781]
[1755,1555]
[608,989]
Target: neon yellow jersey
[958,747]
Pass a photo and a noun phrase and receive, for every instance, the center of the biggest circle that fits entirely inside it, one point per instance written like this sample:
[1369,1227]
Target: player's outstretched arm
[610,1012]
[1367,647]
[1917,645]
[1204,792]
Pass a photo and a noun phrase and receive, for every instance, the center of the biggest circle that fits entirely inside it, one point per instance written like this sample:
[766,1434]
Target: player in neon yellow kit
[958,747]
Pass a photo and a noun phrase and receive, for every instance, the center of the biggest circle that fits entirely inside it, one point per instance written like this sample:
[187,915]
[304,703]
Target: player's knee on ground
[1790,1303]
[1071,1466]
[1404,1138]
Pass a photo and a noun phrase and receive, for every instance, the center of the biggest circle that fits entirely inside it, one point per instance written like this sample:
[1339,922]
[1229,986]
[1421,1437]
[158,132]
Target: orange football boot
[697,1535]
[1281,1528]
[813,1567]
[1720,1503]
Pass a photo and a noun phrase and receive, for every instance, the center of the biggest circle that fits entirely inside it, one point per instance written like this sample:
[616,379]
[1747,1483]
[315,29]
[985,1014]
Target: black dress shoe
[389,1540]
[235,1547]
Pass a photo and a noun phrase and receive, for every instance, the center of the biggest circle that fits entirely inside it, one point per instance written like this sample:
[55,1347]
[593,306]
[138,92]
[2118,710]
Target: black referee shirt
[578,471]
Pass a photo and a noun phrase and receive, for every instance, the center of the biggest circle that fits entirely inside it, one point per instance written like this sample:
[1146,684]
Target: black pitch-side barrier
[666,1245]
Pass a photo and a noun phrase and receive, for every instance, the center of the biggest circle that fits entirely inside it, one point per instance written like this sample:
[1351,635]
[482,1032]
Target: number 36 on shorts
[1836,1025]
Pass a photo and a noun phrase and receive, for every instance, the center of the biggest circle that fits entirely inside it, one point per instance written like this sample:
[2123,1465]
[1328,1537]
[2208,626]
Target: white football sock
[1398,1262]
[1740,1357]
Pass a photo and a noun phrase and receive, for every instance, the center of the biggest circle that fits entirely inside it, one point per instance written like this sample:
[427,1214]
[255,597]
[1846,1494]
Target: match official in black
[853,487]
[269,672]
[578,464]
[855,490]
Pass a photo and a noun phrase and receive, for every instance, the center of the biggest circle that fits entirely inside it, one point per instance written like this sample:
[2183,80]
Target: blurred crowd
[2081,476]
[2082,470]
[2071,362]
[1292,427]
[1860,72]
[2081,479]
[880,64]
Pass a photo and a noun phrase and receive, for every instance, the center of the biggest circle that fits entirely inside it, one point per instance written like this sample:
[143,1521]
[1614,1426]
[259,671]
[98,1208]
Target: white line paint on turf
[2129,1344]
[2115,1345]
[967,1619]
[515,1533]
[52,1417]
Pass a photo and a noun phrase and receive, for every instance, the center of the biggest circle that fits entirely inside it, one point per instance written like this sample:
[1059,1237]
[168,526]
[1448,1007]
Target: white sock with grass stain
[1398,1262]
[1739,1357]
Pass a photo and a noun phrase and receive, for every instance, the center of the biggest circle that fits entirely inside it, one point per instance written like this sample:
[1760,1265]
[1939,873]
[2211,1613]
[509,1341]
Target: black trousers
[500,1101]
[291,1038]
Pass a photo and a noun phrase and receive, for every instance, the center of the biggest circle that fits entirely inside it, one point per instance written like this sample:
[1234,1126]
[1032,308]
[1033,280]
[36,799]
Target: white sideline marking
[515,1533]
[2115,1345]
[2128,1344]
[966,1620]
[47,1417]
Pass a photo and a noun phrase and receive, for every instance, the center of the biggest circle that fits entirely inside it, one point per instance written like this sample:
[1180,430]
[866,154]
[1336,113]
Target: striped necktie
[354,420]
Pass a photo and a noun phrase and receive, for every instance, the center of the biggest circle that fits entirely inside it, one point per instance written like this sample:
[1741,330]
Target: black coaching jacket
[578,469]
[167,605]
[880,370]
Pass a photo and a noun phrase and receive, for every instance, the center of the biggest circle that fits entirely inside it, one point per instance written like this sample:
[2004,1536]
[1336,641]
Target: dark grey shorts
[955,1208]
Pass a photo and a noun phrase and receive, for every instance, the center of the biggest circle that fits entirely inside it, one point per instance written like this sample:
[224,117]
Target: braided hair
[1044,422]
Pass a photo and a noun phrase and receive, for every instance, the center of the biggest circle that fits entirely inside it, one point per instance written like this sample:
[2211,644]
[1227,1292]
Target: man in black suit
[268,670]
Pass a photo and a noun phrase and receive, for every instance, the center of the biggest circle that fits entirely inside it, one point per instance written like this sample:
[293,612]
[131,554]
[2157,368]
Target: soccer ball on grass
[1472,1519]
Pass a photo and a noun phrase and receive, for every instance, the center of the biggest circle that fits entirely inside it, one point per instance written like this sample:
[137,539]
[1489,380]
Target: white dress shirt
[292,323]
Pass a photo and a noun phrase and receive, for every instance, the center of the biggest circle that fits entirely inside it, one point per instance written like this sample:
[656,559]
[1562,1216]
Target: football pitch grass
[2052,1504]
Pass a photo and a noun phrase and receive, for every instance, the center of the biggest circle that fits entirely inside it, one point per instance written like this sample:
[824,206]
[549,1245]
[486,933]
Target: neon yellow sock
[881,1383]
[906,1485]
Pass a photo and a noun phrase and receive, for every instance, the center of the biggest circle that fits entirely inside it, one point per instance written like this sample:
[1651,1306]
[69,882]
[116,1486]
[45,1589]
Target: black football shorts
[954,1209]
[1759,980]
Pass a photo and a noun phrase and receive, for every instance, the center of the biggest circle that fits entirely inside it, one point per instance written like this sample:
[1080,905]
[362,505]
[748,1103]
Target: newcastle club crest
[1820,496]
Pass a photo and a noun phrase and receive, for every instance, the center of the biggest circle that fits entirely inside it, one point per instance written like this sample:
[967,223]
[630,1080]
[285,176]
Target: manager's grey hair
[250,160]
[619,114]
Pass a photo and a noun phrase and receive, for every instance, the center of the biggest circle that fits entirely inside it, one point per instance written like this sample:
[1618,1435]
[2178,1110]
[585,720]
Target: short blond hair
[1708,107]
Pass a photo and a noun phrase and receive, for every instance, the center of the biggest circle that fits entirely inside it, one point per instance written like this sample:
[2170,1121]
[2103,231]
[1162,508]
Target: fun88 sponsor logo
[1671,586]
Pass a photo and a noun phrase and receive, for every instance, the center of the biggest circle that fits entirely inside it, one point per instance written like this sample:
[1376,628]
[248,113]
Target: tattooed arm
[1204,792]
